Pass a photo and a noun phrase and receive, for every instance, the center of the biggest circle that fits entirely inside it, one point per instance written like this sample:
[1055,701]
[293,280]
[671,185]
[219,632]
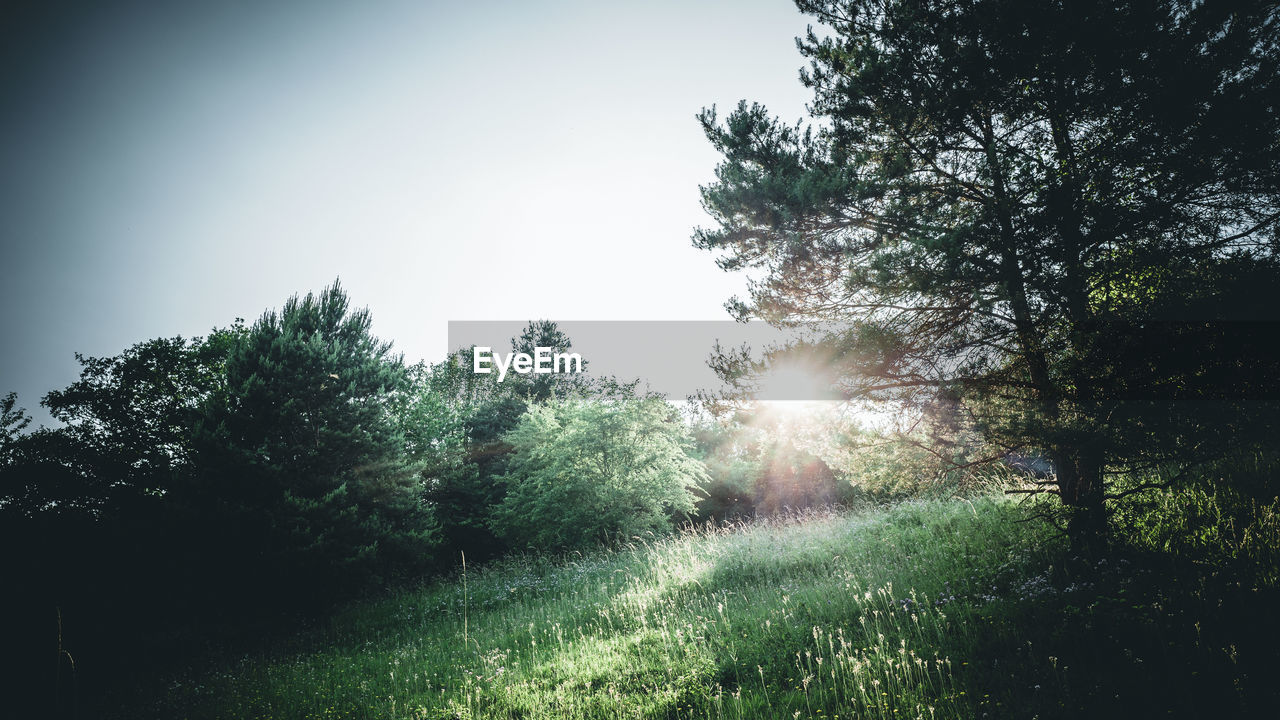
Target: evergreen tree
[305,475]
[1006,202]
[545,333]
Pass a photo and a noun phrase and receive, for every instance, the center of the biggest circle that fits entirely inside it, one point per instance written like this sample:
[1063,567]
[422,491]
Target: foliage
[126,432]
[432,425]
[1232,527]
[764,466]
[996,199]
[13,420]
[303,456]
[545,333]
[466,493]
[585,471]
[898,469]
[88,508]
[91,499]
[896,464]
[732,472]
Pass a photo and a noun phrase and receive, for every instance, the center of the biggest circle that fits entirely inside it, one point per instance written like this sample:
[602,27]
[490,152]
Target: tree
[432,425]
[462,481]
[732,467]
[88,506]
[762,461]
[545,333]
[1002,203]
[466,493]
[588,471]
[305,484]
[126,433]
[13,420]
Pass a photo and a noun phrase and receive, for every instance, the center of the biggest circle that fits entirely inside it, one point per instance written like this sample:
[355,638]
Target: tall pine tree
[306,486]
[1010,204]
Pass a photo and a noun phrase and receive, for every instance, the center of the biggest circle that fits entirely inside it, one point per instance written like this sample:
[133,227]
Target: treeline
[299,457]
[281,466]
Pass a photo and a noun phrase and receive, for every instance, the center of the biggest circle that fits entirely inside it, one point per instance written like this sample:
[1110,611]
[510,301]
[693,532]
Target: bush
[584,472]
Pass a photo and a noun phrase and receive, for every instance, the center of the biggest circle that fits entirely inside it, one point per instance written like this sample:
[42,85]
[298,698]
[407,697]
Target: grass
[926,609]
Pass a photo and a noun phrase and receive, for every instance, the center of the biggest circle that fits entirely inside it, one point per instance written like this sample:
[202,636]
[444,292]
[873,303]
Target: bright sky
[170,166]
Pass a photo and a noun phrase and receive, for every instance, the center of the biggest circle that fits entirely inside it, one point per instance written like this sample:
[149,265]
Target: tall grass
[824,615]
[928,609]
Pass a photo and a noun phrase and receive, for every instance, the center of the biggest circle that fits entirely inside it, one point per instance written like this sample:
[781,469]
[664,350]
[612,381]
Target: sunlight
[800,392]
[794,384]
[794,396]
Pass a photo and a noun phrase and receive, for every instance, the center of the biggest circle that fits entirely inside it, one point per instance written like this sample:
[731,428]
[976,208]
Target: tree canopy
[303,455]
[1004,204]
[589,471]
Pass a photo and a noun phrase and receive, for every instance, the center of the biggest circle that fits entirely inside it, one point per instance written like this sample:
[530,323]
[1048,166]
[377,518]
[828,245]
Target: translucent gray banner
[667,356]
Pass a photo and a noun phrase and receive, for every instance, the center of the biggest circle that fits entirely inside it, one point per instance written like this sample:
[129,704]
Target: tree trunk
[1081,489]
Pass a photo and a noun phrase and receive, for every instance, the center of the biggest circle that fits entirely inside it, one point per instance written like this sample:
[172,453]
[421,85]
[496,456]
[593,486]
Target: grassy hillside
[927,609]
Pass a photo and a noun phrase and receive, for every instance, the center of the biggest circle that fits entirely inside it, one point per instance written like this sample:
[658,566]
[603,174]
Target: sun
[792,383]
[804,391]
[793,392]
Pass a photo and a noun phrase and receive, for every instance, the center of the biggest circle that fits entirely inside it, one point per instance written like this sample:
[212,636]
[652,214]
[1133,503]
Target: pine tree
[1006,202]
[306,477]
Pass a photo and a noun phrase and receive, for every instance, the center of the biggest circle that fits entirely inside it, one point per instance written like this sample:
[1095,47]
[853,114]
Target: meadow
[942,608]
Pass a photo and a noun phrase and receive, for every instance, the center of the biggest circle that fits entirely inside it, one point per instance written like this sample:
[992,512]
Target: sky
[168,167]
